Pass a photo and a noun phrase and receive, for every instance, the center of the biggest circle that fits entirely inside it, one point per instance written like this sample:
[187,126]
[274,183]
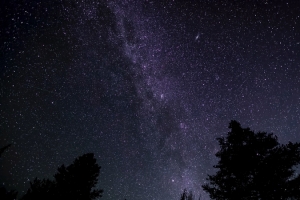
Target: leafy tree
[73,182]
[254,166]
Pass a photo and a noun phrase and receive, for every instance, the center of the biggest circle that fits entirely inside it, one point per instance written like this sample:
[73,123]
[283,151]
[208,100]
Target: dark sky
[147,86]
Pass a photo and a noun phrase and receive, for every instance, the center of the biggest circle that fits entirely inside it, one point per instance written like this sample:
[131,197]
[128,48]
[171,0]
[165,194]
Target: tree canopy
[254,166]
[73,182]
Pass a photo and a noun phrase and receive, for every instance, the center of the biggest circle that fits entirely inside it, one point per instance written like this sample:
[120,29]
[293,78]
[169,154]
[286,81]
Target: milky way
[145,85]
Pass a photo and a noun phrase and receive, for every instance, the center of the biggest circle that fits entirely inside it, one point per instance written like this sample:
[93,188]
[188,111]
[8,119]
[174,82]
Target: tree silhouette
[41,189]
[77,180]
[4,149]
[184,195]
[187,195]
[73,182]
[7,195]
[254,166]
[4,193]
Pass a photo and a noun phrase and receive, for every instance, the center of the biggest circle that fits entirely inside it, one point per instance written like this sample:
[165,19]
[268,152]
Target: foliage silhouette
[7,195]
[4,193]
[187,195]
[3,149]
[73,182]
[41,189]
[254,166]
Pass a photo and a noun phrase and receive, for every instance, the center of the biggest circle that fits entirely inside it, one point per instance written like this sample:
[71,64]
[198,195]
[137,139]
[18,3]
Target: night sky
[145,85]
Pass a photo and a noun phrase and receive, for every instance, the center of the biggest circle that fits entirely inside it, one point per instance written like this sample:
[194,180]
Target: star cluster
[145,85]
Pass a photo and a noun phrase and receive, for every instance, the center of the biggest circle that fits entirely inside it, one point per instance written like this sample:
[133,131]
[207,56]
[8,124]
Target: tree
[254,166]
[7,195]
[4,149]
[187,196]
[184,195]
[73,182]
[77,180]
[41,189]
[4,193]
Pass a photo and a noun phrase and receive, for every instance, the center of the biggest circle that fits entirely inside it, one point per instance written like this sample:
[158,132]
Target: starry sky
[145,85]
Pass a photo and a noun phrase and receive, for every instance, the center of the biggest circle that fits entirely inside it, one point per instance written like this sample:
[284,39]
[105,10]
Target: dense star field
[145,85]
